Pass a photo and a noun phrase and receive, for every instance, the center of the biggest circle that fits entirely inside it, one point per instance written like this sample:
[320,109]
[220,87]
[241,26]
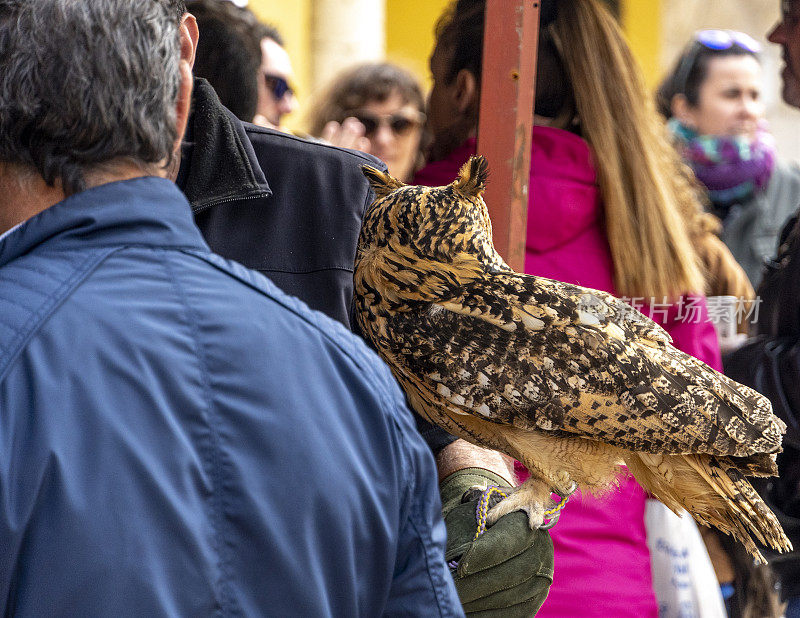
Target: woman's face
[730,101]
[394,129]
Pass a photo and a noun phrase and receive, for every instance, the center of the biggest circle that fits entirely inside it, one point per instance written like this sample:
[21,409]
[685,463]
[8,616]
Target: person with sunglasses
[770,360]
[376,108]
[275,94]
[713,99]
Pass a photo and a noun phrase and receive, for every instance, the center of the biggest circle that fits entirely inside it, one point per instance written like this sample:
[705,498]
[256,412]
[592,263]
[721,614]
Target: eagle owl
[570,381]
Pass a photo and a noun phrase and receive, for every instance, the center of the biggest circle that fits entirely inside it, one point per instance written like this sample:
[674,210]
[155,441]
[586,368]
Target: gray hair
[84,83]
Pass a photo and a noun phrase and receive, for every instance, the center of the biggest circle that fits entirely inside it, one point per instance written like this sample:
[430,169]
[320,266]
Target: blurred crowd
[676,201]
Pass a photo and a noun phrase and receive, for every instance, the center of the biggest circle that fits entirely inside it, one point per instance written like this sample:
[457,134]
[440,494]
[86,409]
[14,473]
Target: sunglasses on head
[278,86]
[725,39]
[399,123]
[716,40]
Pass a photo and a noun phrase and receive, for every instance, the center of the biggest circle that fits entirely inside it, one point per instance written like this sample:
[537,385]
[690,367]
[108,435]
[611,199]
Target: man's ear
[466,91]
[683,111]
[184,103]
[189,37]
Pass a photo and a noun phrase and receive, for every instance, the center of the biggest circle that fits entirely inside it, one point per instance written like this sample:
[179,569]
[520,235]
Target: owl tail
[716,494]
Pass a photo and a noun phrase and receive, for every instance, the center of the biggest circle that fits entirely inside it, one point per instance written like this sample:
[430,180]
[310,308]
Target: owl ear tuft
[472,177]
[382,184]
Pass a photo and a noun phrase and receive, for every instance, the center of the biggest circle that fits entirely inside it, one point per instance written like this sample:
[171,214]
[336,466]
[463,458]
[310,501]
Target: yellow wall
[409,33]
[293,20]
[641,20]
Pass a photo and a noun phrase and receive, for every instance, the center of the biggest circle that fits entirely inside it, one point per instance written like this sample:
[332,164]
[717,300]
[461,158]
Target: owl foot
[532,496]
[565,491]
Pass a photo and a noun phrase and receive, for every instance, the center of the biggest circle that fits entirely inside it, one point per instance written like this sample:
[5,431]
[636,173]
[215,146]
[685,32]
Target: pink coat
[602,563]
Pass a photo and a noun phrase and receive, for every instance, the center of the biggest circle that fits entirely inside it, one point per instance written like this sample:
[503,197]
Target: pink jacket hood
[565,200]
[566,237]
[445,171]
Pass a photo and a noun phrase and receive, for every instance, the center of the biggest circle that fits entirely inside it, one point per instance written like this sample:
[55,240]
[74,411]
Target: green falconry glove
[507,571]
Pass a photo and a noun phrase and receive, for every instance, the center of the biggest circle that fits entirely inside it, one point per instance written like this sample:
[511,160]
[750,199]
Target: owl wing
[541,354]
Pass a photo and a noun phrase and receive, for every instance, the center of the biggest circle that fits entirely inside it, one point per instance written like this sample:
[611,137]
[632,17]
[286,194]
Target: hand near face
[348,134]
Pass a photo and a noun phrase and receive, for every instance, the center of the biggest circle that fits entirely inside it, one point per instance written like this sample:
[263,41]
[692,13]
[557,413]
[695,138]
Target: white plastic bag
[683,577]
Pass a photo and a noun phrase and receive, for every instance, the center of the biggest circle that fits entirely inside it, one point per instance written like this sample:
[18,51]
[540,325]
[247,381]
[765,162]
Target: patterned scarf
[732,168]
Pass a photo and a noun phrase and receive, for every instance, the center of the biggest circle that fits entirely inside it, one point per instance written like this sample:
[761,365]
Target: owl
[570,381]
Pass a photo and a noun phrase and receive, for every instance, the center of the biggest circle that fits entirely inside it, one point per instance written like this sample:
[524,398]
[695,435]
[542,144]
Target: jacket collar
[145,211]
[218,163]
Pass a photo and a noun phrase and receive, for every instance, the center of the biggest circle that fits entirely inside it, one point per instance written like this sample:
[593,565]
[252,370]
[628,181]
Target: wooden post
[511,33]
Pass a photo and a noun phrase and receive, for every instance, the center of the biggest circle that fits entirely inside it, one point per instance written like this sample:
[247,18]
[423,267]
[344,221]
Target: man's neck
[24,193]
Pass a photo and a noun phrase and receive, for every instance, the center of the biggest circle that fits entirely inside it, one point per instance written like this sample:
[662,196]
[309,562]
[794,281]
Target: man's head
[456,65]
[787,34]
[275,96]
[229,53]
[87,86]
[456,70]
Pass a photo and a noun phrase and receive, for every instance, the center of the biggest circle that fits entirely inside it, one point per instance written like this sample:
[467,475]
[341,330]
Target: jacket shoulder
[326,327]
[32,288]
[788,171]
[308,152]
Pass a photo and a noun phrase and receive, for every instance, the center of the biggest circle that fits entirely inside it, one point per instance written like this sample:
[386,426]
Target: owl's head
[435,221]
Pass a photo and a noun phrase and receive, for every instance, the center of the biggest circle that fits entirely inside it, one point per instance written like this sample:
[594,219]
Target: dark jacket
[180,438]
[770,363]
[286,207]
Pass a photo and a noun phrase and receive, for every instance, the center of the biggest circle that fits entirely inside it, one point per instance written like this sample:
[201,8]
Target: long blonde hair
[650,207]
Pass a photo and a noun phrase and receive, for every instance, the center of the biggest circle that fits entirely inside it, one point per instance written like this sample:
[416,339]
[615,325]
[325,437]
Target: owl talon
[566,493]
[517,501]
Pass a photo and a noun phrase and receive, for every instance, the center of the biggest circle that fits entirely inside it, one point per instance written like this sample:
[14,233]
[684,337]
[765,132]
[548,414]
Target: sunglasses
[399,123]
[278,86]
[715,40]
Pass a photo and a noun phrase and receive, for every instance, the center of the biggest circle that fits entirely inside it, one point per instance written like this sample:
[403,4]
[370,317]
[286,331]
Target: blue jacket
[179,438]
[286,207]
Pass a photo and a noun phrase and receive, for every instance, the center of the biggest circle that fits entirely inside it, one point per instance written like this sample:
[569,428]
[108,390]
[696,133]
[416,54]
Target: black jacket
[770,363]
[275,203]
[287,207]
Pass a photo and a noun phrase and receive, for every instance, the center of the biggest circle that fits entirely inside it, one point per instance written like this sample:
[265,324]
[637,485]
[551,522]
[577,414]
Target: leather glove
[507,571]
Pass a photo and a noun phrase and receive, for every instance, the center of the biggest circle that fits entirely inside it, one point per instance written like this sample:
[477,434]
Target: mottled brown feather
[570,381]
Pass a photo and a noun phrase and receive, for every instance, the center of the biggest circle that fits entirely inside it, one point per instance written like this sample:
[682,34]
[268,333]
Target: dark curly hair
[229,53]
[460,31]
[364,83]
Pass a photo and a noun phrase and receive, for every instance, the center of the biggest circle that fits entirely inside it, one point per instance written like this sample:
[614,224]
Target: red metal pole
[511,33]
